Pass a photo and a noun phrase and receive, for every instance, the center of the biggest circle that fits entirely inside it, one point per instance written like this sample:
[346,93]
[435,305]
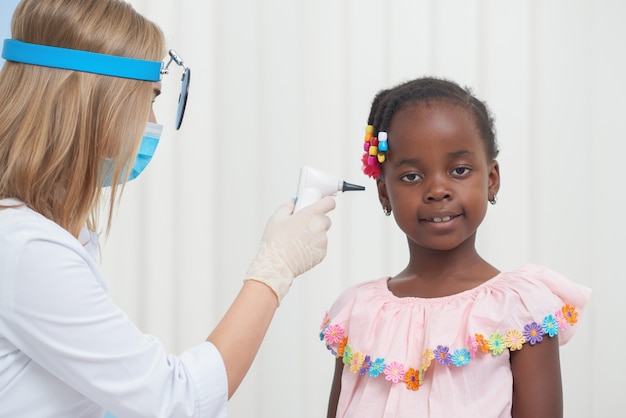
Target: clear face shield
[109,65]
[92,62]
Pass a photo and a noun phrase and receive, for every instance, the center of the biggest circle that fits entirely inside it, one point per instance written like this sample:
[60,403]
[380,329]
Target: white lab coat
[66,350]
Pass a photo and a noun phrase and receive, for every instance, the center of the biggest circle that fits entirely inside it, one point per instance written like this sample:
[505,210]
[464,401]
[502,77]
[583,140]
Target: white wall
[280,83]
[6,11]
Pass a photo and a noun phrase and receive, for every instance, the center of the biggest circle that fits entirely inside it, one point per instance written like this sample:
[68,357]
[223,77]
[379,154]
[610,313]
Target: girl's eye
[411,177]
[461,171]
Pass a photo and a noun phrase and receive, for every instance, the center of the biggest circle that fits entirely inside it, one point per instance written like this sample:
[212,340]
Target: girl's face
[437,178]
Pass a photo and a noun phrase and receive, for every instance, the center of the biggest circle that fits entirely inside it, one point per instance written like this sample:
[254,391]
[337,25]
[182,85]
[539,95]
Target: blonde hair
[59,128]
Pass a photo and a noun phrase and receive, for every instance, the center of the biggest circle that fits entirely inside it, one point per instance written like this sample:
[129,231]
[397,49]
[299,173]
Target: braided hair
[388,102]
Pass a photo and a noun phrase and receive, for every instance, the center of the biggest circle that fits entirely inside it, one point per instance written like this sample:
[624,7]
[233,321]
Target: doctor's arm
[291,245]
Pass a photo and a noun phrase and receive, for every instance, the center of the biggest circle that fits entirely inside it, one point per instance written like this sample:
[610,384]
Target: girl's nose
[437,190]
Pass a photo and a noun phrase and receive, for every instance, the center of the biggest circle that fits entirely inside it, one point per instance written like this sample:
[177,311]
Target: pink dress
[446,356]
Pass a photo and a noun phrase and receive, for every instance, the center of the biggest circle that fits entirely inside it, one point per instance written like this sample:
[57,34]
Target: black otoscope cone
[349,186]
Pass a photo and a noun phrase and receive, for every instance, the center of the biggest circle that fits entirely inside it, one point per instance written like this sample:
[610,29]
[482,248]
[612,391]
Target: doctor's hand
[291,245]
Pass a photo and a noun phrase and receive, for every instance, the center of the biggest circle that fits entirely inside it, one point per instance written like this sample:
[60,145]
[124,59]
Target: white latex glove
[291,245]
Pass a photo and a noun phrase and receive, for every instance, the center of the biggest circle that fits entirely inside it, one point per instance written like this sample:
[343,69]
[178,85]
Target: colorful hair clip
[375,149]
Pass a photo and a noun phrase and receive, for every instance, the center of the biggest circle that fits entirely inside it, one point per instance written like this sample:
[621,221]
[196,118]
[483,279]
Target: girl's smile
[440,219]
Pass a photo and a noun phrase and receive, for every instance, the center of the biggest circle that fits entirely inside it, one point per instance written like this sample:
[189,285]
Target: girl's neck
[441,273]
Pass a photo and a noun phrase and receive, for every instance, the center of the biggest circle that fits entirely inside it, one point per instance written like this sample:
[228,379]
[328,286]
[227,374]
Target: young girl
[450,335]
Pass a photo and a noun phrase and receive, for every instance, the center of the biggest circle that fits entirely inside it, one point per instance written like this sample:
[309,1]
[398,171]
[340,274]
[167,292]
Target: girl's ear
[383,197]
[494,178]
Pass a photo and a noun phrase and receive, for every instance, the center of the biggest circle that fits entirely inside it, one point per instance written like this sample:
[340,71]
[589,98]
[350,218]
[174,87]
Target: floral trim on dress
[366,365]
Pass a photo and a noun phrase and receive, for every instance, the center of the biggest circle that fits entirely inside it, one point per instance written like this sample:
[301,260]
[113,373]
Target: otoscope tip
[349,187]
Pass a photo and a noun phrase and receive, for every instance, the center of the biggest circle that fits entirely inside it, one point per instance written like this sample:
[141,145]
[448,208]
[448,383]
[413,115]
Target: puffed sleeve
[533,300]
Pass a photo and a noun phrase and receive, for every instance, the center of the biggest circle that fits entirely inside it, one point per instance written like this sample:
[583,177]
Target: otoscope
[314,184]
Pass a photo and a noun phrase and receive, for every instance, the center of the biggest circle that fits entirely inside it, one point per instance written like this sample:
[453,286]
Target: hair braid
[388,102]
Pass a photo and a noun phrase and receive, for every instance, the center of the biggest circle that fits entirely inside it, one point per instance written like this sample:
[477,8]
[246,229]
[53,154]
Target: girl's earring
[494,200]
[386,210]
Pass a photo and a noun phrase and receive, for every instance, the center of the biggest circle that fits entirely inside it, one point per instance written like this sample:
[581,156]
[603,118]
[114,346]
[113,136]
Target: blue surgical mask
[147,148]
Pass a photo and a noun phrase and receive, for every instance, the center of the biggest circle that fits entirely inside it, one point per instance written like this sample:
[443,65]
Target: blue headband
[84,61]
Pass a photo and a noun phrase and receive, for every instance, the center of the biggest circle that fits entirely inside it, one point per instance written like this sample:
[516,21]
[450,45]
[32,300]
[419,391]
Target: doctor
[76,95]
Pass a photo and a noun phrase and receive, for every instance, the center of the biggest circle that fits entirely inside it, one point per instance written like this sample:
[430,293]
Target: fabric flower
[377,367]
[333,334]
[496,344]
[533,333]
[333,352]
[472,344]
[324,325]
[325,321]
[356,361]
[347,355]
[560,319]
[442,355]
[342,346]
[550,326]
[514,340]
[482,343]
[365,366]
[427,358]
[570,314]
[394,372]
[412,379]
[460,357]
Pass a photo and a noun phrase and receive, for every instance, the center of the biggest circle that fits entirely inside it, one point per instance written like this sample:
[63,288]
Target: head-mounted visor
[96,63]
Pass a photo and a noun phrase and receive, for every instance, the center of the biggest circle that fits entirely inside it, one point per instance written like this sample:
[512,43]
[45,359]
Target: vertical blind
[277,84]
